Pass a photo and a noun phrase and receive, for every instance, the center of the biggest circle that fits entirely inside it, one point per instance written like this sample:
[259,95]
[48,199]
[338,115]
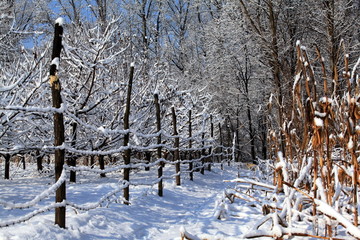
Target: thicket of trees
[228,59]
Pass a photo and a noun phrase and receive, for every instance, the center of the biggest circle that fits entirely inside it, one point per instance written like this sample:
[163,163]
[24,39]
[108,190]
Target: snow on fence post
[158,128]
[127,135]
[191,174]
[58,121]
[176,146]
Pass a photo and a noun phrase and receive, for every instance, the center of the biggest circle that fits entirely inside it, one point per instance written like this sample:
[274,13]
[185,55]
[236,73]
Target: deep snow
[190,206]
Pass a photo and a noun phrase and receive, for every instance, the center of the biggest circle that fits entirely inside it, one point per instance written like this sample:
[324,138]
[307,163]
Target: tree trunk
[251,132]
[333,44]
[276,70]
[263,134]
[272,47]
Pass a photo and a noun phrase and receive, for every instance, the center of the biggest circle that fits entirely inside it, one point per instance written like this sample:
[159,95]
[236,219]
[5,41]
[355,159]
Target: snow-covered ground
[190,206]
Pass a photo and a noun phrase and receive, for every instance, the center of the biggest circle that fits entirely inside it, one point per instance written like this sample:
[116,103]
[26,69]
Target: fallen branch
[261,233]
[239,180]
[237,191]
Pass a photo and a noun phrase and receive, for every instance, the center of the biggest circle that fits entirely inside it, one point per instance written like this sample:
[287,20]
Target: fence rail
[108,197]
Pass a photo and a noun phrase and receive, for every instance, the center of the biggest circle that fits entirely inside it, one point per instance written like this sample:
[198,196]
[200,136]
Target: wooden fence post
[221,147]
[191,173]
[148,159]
[101,165]
[158,128]
[203,153]
[91,160]
[58,121]
[39,160]
[72,159]
[7,166]
[228,142]
[176,146]
[22,160]
[127,135]
[212,136]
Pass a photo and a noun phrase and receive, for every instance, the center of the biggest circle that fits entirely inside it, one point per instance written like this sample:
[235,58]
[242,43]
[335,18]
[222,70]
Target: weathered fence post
[39,160]
[221,148]
[7,166]
[101,165]
[148,160]
[58,121]
[176,146]
[127,135]
[212,136]
[229,141]
[91,160]
[203,153]
[72,159]
[22,160]
[191,173]
[158,149]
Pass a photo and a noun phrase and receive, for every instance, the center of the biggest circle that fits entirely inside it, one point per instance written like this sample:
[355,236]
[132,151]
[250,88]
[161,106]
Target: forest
[109,86]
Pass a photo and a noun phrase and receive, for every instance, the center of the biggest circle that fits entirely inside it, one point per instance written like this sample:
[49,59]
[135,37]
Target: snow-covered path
[190,205]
